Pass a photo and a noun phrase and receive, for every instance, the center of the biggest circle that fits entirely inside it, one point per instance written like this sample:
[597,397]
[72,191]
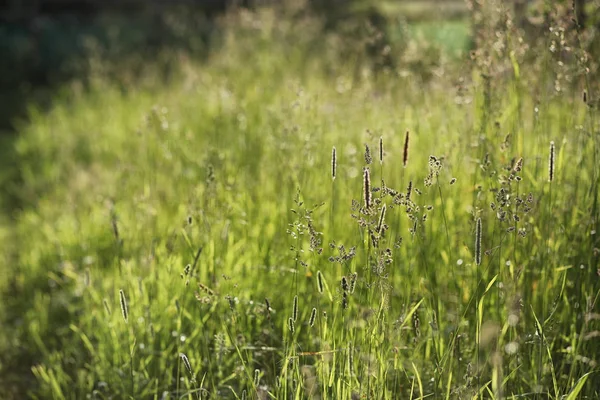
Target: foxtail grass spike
[333,163]
[478,242]
[124,310]
[367,187]
[380,149]
[320,281]
[186,363]
[313,317]
[405,155]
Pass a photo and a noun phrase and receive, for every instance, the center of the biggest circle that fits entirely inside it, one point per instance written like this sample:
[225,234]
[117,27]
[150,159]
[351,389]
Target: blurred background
[46,43]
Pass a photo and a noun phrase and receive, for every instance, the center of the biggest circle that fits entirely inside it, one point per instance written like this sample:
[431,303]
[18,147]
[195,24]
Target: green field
[184,238]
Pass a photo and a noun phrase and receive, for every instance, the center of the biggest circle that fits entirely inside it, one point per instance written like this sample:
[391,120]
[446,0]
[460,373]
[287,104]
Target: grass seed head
[416,324]
[333,163]
[381,149]
[344,284]
[186,363]
[291,325]
[124,309]
[345,300]
[518,165]
[320,281]
[367,187]
[313,317]
[478,242]
[405,155]
[368,158]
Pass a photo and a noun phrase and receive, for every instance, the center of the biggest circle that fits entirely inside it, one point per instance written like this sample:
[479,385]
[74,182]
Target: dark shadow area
[47,43]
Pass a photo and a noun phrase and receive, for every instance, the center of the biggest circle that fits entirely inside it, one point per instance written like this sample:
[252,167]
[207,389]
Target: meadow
[285,220]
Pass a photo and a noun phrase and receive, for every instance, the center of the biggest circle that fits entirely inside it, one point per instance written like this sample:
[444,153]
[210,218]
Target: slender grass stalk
[551,162]
[295,309]
[406,146]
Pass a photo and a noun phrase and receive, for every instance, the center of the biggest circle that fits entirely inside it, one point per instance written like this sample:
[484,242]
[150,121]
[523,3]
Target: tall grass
[193,202]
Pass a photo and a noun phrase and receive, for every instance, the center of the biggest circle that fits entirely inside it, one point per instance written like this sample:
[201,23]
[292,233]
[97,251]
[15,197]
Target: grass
[172,240]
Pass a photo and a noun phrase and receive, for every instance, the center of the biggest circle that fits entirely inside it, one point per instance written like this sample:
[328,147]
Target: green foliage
[164,232]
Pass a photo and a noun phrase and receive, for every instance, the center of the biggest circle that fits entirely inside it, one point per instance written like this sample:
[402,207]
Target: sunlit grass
[207,204]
